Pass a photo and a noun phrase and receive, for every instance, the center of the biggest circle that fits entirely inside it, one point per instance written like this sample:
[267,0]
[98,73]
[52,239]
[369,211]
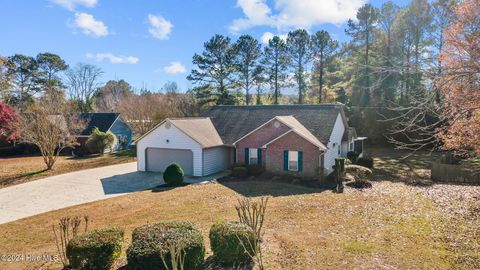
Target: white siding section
[177,140]
[335,138]
[215,160]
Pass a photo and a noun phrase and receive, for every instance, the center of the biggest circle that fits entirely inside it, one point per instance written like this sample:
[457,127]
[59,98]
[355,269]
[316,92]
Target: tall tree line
[390,60]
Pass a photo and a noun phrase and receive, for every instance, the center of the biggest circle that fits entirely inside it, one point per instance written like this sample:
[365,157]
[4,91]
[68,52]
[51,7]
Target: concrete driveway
[74,188]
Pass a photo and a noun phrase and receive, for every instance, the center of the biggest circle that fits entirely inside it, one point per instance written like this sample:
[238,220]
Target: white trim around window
[293,161]
[252,155]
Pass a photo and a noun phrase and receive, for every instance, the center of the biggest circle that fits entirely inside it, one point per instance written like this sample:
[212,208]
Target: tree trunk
[320,81]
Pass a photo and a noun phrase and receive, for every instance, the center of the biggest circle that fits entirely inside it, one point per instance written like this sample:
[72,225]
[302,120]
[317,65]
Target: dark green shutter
[300,161]
[246,156]
[259,156]
[285,160]
[234,155]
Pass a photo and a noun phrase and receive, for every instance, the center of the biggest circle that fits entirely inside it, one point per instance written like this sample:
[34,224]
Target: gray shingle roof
[233,122]
[101,120]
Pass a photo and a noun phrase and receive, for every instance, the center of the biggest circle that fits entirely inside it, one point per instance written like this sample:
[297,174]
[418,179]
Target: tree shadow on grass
[266,187]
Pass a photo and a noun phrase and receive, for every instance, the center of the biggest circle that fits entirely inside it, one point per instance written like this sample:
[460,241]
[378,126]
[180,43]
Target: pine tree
[323,47]
[362,33]
[275,62]
[214,74]
[247,53]
[299,48]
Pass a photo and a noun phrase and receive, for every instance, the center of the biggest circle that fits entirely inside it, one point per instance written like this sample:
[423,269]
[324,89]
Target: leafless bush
[252,214]
[177,255]
[64,231]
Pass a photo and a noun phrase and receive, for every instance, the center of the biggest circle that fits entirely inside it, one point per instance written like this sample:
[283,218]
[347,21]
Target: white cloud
[265,38]
[290,14]
[175,68]
[71,4]
[160,28]
[114,59]
[89,25]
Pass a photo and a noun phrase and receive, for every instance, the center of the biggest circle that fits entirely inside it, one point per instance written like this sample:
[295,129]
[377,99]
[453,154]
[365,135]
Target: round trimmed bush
[240,172]
[173,175]
[151,241]
[365,162]
[229,240]
[95,250]
[358,172]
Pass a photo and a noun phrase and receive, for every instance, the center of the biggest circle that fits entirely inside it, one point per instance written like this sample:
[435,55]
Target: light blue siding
[123,133]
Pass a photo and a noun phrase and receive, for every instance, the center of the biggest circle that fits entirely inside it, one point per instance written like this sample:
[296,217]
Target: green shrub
[230,242]
[173,175]
[240,172]
[99,141]
[365,162]
[352,156]
[254,169]
[95,250]
[150,242]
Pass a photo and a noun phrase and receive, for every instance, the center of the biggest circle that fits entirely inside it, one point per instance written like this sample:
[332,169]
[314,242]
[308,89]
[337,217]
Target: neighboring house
[301,140]
[106,122]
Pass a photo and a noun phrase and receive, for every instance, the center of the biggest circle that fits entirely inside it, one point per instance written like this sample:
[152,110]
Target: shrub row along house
[301,140]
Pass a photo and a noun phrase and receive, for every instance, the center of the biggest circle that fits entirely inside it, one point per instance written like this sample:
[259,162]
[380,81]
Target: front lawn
[17,170]
[391,226]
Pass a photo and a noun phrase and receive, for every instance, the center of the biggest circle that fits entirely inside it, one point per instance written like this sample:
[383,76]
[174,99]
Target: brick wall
[293,142]
[260,137]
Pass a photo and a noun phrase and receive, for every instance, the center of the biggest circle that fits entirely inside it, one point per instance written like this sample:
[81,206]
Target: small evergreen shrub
[352,156]
[365,162]
[150,242]
[173,175]
[230,242]
[240,172]
[99,141]
[254,169]
[95,250]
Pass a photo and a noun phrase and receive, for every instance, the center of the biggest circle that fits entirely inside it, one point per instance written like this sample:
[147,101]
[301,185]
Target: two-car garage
[193,143]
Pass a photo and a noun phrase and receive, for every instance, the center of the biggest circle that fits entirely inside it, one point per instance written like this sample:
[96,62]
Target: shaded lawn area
[391,226]
[17,170]
[395,165]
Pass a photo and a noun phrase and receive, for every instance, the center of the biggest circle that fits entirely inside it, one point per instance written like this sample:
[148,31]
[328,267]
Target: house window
[351,146]
[252,156]
[293,161]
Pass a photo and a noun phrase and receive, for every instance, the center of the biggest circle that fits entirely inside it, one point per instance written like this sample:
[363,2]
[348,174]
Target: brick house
[300,140]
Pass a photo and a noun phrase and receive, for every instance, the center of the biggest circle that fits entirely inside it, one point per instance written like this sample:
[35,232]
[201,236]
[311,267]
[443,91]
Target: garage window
[253,156]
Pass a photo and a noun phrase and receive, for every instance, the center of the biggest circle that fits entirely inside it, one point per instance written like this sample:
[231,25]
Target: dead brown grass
[305,228]
[17,170]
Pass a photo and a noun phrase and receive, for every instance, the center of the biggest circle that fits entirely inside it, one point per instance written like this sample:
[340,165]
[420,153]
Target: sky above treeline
[150,42]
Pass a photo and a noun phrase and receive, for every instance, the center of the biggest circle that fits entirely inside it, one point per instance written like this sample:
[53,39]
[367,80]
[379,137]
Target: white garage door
[158,159]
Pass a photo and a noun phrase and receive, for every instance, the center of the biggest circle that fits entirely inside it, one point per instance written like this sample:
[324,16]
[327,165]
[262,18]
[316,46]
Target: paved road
[74,188]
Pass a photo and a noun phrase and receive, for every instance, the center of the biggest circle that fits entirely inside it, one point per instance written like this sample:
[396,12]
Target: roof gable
[199,129]
[103,121]
[234,122]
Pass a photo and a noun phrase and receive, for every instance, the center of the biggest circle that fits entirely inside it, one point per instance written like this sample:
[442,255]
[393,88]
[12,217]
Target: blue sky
[148,42]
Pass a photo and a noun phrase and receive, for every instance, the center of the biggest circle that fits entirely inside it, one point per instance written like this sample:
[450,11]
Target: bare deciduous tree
[142,112]
[82,82]
[51,127]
